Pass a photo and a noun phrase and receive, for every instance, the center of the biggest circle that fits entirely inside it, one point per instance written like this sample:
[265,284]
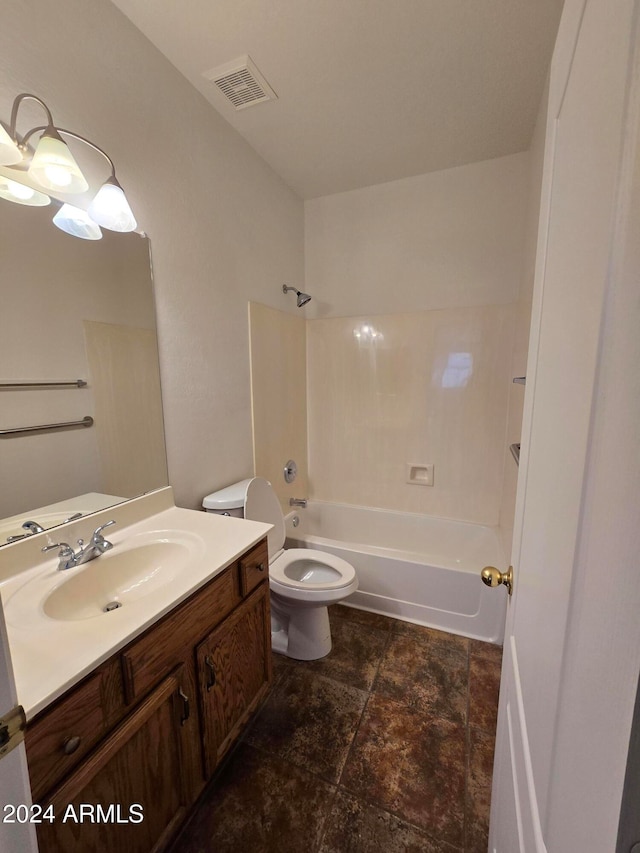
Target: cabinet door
[234,672]
[139,771]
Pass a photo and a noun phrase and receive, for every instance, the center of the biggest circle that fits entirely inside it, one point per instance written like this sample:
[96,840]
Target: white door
[572,644]
[16,836]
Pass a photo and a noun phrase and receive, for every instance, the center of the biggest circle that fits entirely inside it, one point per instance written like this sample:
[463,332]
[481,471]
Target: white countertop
[50,655]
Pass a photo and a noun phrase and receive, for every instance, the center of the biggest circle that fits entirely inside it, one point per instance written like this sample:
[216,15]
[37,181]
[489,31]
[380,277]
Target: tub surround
[50,655]
[431,387]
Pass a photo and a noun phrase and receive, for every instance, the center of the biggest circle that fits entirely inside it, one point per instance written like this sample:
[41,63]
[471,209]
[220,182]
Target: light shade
[54,167]
[21,194]
[110,208]
[10,154]
[77,222]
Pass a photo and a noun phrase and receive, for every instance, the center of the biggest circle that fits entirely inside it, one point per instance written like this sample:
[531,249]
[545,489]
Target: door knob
[494,577]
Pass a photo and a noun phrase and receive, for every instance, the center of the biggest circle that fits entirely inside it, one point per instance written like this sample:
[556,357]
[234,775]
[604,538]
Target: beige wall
[223,227]
[522,325]
[441,240]
[398,389]
[279,397]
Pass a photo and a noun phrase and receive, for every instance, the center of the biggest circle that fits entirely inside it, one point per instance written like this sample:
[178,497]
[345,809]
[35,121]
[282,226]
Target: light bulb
[77,222]
[10,154]
[21,194]
[110,208]
[53,165]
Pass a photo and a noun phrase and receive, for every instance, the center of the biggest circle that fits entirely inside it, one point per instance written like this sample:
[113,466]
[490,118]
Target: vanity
[130,709]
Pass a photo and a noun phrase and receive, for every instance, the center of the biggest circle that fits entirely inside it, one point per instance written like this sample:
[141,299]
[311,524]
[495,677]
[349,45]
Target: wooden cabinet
[234,671]
[123,755]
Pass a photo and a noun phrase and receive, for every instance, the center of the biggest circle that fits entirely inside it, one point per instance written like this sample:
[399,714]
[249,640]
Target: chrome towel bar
[87,421]
[44,383]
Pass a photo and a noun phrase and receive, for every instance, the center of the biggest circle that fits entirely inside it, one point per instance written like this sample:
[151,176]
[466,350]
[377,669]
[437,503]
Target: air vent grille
[241,83]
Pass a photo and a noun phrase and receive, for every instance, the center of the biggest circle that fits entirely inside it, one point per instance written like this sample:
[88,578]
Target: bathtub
[414,567]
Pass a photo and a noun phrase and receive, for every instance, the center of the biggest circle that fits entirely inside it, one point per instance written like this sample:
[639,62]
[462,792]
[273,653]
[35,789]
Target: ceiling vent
[241,83]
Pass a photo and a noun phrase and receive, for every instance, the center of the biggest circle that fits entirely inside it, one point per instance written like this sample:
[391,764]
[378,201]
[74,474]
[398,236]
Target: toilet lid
[261,504]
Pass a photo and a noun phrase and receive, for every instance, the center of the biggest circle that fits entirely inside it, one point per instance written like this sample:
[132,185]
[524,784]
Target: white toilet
[303,581]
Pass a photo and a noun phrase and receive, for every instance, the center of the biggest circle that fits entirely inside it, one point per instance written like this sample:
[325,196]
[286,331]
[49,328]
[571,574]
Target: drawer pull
[71,744]
[186,709]
[260,567]
[212,672]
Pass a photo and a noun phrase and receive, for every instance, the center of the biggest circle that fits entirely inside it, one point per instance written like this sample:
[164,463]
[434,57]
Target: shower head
[302,299]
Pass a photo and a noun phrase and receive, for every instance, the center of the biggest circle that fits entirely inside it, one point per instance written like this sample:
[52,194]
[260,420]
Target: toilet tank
[228,501]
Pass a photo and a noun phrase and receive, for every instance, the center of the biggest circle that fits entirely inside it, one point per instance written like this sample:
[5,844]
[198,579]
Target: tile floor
[384,745]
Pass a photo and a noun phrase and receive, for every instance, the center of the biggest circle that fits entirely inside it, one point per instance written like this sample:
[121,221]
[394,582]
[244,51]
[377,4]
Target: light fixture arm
[16,106]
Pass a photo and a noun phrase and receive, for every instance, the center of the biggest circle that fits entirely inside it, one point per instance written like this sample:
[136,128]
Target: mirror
[75,309]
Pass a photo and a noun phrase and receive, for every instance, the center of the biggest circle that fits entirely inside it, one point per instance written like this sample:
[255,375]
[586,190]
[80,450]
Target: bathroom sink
[134,570]
[115,580]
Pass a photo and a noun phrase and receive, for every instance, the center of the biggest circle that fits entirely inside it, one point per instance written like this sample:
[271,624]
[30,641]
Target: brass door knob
[494,577]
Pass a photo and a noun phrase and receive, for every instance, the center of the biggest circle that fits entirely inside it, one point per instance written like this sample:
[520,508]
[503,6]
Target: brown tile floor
[386,744]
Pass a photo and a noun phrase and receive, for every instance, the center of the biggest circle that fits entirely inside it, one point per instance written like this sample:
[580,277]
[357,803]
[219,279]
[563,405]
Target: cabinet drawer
[168,643]
[254,568]
[62,736]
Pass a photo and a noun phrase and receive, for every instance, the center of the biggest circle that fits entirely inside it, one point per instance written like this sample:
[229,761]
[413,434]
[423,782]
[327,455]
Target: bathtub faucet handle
[302,502]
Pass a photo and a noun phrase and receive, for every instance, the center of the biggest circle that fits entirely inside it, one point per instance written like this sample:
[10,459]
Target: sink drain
[112,605]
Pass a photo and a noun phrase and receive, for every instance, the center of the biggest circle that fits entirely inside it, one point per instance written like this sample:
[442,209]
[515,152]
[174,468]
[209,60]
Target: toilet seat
[280,569]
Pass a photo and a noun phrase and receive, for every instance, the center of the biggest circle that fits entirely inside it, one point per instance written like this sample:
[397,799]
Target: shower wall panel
[394,390]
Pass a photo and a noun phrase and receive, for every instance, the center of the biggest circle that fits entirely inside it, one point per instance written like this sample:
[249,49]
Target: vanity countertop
[50,655]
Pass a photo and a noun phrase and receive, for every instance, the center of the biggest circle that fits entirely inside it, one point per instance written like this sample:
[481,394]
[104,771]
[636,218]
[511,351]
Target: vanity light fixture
[53,167]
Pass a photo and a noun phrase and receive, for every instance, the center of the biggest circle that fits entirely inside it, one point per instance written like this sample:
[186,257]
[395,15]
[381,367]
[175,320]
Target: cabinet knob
[71,744]
[260,567]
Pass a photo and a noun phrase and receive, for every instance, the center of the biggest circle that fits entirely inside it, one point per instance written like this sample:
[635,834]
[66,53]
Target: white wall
[442,240]
[224,228]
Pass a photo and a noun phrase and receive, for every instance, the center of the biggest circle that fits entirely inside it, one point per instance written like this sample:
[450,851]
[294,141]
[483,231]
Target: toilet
[303,582]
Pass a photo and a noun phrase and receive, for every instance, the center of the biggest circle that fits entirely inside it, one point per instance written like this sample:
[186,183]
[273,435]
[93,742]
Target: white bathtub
[413,567]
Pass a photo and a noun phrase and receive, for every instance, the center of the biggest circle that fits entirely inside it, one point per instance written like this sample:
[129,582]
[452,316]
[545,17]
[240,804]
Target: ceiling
[368,90]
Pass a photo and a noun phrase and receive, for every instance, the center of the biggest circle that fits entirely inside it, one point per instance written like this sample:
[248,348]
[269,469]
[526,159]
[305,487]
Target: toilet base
[301,633]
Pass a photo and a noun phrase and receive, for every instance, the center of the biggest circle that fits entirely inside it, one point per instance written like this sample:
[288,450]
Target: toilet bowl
[303,582]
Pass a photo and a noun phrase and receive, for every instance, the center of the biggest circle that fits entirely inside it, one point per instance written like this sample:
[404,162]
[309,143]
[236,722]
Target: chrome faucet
[31,527]
[68,558]
[298,502]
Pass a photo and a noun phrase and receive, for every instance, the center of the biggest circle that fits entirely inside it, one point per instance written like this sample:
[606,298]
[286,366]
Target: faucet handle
[65,550]
[97,533]
[67,557]
[64,546]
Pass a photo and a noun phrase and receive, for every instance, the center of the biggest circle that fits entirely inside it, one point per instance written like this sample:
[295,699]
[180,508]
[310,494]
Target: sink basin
[131,572]
[116,579]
